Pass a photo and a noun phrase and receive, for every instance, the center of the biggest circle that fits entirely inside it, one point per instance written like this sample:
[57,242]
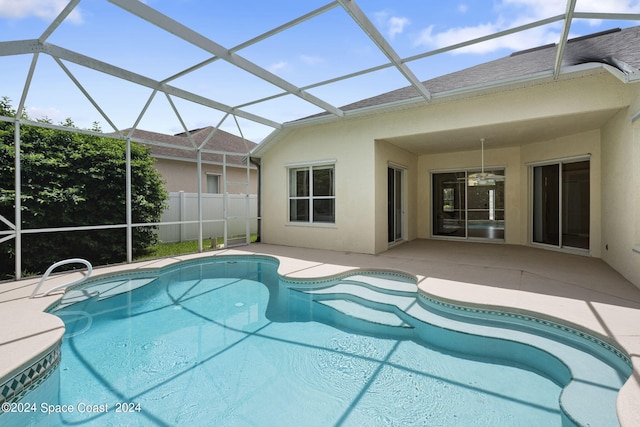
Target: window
[311,194]
[213,183]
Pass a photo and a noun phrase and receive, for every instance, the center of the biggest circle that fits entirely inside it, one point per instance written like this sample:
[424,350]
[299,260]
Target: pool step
[381,296]
[366,303]
[362,312]
[103,289]
[389,286]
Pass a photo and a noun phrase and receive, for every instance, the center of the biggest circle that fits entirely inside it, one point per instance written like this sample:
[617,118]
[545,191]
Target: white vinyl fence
[184,207]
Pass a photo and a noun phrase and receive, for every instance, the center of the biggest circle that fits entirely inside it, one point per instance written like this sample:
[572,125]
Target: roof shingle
[221,141]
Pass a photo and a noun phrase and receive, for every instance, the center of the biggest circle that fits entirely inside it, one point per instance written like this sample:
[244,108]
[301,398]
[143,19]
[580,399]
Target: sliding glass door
[395,203]
[449,204]
[466,206]
[561,204]
[546,204]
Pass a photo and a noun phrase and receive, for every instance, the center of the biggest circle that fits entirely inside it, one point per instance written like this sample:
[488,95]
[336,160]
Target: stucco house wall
[353,155]
[635,191]
[180,175]
[620,190]
[176,159]
[386,155]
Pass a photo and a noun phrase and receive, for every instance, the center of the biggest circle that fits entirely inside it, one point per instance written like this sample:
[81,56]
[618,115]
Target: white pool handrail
[58,264]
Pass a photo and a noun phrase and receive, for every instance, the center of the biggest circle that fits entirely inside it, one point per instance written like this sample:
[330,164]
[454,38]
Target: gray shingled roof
[608,47]
[221,141]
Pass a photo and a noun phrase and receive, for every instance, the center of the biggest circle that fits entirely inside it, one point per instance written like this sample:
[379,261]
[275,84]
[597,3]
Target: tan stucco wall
[620,189]
[510,107]
[385,154]
[183,176]
[635,262]
[362,206]
[354,177]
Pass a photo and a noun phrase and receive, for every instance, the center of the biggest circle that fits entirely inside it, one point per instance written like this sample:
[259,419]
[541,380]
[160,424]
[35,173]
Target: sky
[324,47]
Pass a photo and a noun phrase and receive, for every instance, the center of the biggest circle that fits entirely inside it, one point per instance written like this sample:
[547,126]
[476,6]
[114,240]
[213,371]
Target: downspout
[256,162]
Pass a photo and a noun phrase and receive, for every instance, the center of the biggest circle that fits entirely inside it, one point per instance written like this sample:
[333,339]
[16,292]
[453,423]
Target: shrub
[75,179]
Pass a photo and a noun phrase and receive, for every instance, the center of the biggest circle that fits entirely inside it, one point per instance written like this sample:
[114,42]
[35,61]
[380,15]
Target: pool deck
[581,291]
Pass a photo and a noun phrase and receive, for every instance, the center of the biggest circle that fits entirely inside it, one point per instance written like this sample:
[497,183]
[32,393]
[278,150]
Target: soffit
[501,135]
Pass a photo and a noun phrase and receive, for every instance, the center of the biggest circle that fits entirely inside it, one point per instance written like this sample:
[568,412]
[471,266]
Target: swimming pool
[226,341]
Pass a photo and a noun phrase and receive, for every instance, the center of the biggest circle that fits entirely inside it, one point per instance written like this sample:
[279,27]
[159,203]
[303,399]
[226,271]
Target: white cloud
[279,67]
[56,116]
[538,9]
[396,25]
[513,13]
[620,6]
[382,17]
[532,9]
[457,35]
[44,9]
[463,8]
[609,6]
[518,41]
[311,60]
[391,24]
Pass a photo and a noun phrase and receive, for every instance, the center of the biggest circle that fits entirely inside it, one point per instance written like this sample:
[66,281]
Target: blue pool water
[226,343]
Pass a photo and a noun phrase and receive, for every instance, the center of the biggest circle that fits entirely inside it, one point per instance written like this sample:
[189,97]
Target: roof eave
[469,91]
[204,162]
[461,93]
[268,141]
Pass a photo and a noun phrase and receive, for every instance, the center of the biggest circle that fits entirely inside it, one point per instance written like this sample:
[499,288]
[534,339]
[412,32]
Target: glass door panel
[394,204]
[485,207]
[546,207]
[575,205]
[561,204]
[449,204]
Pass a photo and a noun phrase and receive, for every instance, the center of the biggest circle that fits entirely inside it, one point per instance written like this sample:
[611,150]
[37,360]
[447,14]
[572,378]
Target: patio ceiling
[210,51]
[504,134]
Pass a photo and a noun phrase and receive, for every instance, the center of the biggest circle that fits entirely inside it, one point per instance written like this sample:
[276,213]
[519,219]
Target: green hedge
[74,179]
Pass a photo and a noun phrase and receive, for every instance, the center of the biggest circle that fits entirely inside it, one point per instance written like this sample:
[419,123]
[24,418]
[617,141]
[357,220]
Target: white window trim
[561,160]
[558,161]
[467,170]
[296,165]
[207,175]
[331,163]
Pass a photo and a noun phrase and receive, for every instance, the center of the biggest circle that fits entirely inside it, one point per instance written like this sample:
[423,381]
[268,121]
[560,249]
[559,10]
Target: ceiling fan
[483,178]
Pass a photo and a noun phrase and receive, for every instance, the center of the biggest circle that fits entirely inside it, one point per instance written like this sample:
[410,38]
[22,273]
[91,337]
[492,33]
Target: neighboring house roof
[618,48]
[221,142]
